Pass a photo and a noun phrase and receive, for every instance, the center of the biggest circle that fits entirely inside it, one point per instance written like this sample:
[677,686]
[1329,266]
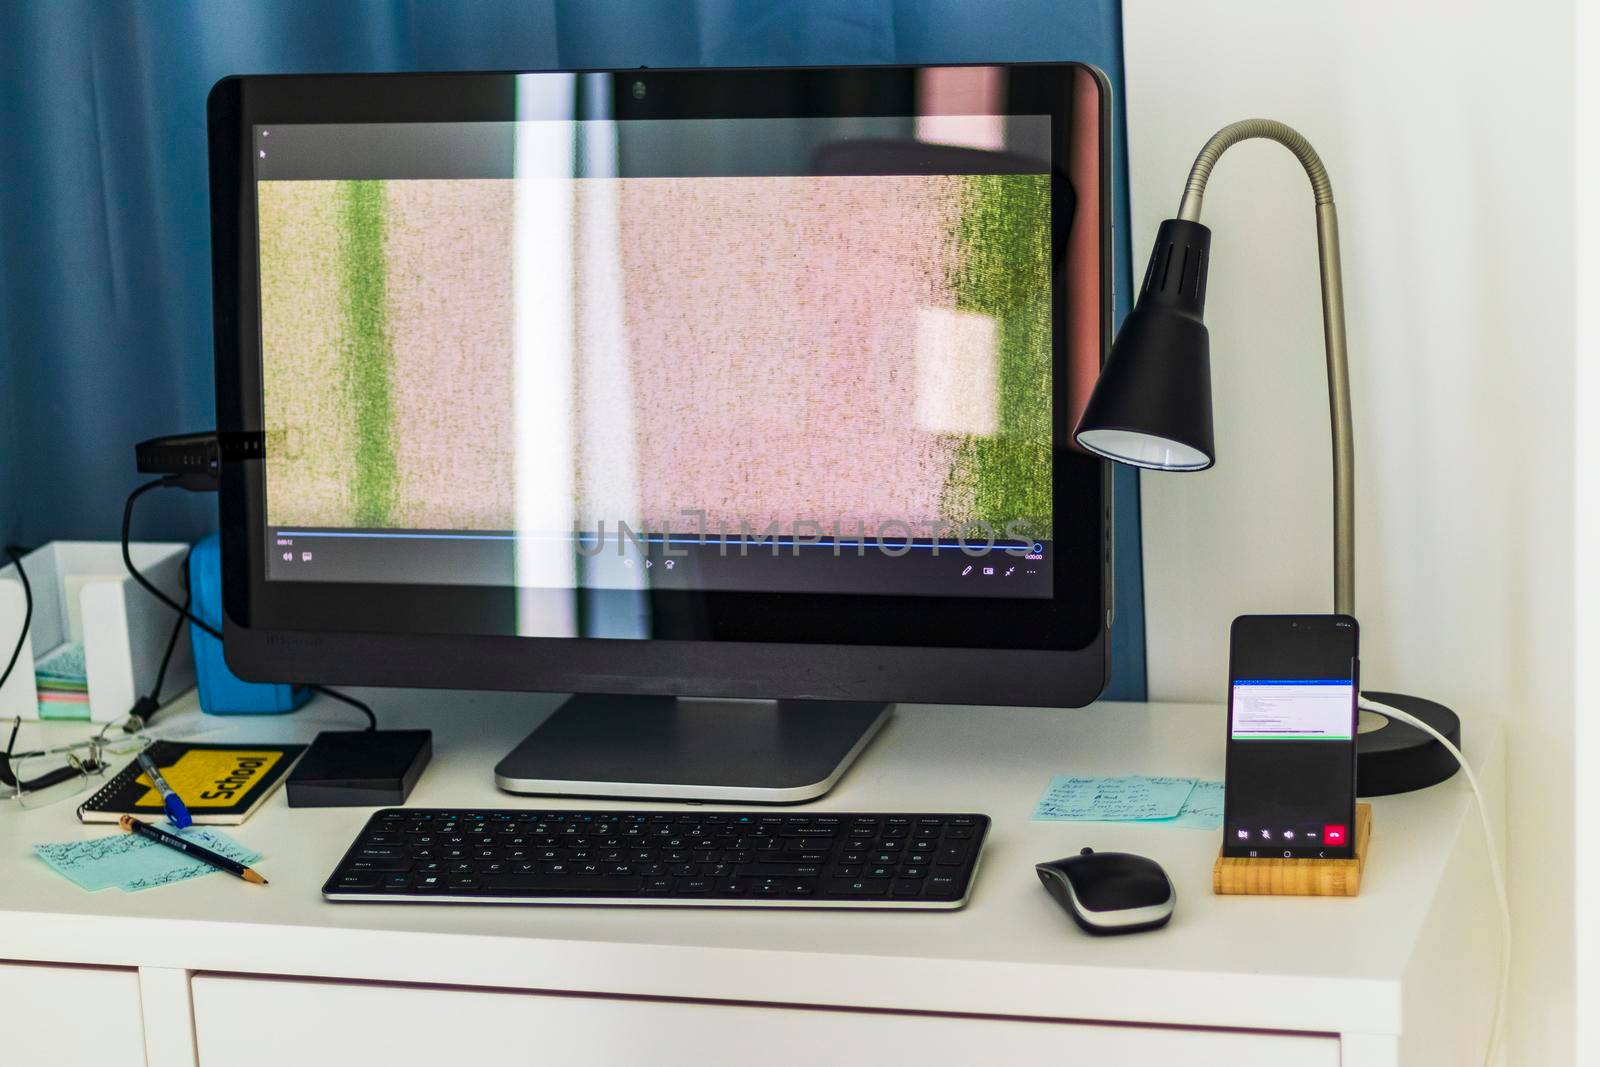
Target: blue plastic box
[221,691]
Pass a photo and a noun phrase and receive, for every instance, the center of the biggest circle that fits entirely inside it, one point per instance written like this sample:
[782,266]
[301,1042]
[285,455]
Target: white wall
[1446,128]
[1586,495]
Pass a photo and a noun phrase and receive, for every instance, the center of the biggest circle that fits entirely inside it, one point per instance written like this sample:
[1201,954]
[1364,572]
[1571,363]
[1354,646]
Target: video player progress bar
[657,539]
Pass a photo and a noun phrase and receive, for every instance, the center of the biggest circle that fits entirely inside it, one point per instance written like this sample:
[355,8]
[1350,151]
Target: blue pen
[177,814]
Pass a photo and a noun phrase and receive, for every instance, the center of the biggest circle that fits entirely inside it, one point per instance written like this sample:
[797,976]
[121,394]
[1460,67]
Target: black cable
[372,720]
[172,641]
[183,609]
[145,708]
[27,614]
[127,557]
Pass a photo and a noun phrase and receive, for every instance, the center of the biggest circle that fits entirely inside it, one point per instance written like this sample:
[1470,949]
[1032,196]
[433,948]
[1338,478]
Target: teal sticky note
[131,863]
[1203,809]
[1128,798]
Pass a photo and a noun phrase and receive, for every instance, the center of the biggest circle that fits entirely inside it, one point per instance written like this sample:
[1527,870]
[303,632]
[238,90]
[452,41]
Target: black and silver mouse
[1110,892]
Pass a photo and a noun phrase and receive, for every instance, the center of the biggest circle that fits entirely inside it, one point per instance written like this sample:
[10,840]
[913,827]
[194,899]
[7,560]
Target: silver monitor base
[667,748]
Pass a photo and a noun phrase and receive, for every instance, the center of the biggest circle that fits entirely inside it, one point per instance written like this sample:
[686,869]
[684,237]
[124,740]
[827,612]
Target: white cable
[1497,1019]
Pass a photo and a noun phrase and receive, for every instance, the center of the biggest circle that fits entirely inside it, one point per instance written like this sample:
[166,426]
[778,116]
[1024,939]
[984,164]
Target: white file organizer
[81,591]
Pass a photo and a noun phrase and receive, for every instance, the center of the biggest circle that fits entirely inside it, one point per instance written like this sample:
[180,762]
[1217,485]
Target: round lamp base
[1395,757]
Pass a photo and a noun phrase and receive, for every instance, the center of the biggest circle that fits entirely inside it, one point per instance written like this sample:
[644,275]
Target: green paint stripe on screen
[368,354]
[1003,271]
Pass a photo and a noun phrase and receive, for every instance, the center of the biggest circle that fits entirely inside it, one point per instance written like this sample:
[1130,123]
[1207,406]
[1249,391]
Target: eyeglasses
[43,776]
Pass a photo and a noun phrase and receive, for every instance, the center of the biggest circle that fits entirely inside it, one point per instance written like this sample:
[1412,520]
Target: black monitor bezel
[745,644]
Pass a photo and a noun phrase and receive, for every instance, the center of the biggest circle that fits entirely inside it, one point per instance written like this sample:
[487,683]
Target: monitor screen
[624,365]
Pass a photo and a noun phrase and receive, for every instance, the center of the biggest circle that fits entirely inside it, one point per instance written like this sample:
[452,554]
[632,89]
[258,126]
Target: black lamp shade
[1151,406]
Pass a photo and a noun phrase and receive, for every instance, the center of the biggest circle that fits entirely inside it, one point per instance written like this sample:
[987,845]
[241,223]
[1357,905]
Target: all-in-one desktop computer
[736,403]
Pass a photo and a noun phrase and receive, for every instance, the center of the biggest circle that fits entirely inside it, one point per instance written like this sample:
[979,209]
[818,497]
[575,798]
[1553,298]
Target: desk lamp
[1151,408]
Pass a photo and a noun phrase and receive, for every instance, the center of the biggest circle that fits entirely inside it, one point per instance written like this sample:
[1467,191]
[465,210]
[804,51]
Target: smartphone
[1291,782]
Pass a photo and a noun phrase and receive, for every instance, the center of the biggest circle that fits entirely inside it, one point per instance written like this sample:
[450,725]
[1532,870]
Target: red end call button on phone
[1333,835]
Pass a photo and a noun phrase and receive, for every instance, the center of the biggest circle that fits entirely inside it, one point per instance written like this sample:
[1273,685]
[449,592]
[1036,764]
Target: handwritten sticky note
[131,863]
[1203,809]
[1128,798]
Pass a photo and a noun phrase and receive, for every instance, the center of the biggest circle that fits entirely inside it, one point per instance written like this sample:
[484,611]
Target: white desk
[214,971]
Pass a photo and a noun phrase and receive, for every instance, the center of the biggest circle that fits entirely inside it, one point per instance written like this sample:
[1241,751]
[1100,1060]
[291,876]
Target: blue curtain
[105,288]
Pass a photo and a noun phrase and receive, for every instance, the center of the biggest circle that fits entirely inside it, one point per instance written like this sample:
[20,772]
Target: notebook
[220,784]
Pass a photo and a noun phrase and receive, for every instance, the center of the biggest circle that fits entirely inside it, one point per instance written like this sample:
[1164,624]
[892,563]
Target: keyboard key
[382,852]
[809,844]
[906,887]
[857,887]
[941,885]
[792,857]
[950,857]
[559,886]
[779,870]
[358,880]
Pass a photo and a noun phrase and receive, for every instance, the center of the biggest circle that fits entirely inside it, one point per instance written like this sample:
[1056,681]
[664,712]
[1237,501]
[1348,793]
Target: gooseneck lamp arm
[1344,490]
[1151,408]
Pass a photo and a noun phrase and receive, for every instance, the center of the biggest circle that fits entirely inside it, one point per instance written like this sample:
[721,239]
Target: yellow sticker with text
[210,778]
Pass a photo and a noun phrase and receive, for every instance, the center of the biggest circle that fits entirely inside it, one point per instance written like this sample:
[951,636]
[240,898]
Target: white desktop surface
[1415,949]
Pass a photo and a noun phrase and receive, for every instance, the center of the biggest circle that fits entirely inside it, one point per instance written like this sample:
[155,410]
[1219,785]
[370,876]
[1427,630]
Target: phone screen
[1291,786]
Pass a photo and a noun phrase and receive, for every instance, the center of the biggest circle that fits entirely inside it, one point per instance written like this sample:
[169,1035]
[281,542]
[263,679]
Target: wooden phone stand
[1259,876]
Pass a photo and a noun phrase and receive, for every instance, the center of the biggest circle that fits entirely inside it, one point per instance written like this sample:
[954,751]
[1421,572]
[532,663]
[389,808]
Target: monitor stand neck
[692,748]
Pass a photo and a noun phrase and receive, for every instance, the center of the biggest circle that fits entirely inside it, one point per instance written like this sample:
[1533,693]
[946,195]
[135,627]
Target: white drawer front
[70,1016]
[254,1022]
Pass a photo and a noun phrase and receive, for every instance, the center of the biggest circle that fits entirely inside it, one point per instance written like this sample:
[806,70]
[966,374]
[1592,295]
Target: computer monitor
[657,386]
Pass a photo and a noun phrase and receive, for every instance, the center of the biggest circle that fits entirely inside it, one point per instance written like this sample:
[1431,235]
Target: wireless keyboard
[701,858]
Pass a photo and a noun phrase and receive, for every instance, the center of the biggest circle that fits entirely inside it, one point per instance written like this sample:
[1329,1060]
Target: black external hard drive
[359,768]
